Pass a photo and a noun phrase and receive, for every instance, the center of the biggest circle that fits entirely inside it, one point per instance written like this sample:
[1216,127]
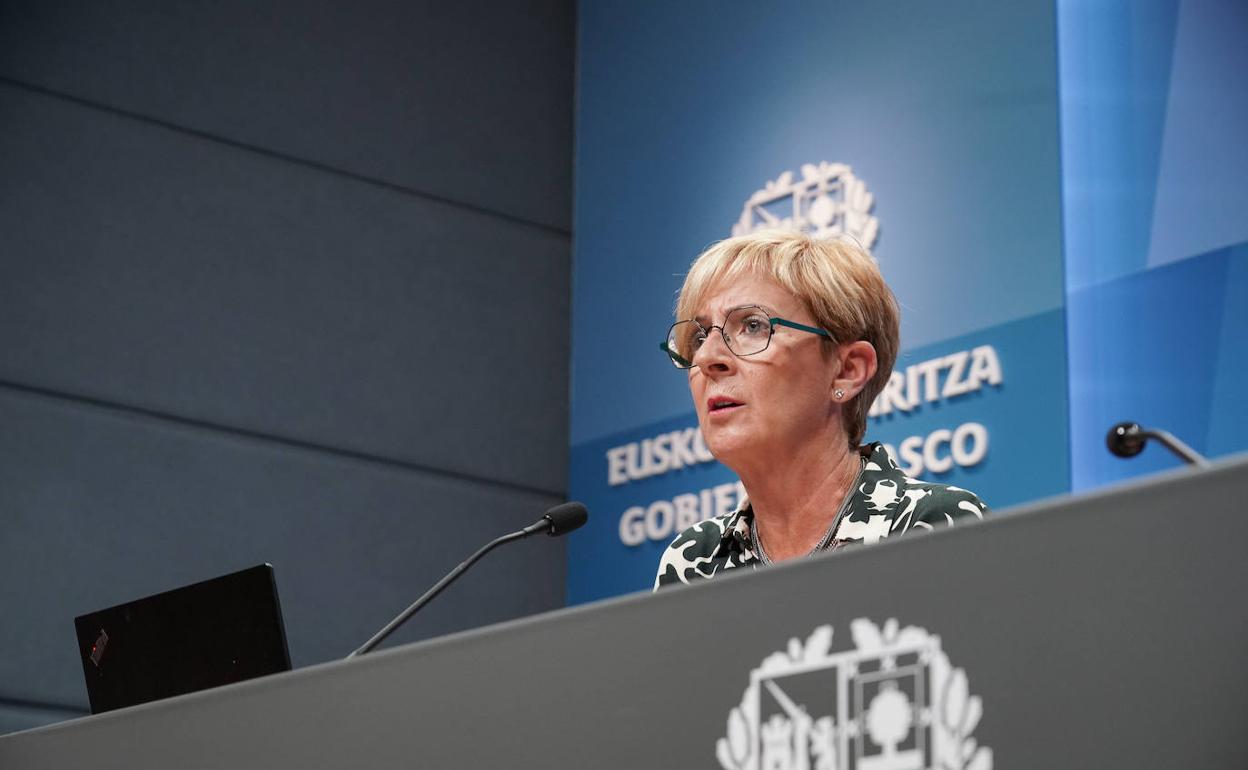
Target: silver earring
[839,394]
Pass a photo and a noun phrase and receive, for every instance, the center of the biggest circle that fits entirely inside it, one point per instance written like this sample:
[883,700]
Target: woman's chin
[729,445]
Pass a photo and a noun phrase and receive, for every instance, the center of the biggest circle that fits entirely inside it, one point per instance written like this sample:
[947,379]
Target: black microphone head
[566,517]
[1125,439]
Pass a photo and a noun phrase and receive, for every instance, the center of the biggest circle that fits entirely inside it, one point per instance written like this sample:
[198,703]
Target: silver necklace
[757,545]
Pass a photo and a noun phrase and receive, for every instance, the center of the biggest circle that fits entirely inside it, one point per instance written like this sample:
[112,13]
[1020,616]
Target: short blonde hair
[838,283]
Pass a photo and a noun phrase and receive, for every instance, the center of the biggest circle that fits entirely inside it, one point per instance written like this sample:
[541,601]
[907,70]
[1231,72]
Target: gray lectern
[1102,632]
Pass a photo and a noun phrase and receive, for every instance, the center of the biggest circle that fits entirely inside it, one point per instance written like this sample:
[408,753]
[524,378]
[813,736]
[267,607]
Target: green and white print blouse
[883,503]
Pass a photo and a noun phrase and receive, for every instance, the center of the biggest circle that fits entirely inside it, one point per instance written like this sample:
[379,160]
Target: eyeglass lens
[746,330]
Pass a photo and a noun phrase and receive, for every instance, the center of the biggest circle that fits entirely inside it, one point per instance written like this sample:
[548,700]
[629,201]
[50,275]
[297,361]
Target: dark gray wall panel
[99,507]
[23,717]
[147,267]
[467,100]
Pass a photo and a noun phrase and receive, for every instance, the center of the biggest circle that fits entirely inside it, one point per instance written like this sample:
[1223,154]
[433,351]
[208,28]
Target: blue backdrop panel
[1163,347]
[944,116]
[1154,119]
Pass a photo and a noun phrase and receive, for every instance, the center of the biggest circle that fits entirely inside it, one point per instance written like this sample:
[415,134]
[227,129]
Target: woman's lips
[722,406]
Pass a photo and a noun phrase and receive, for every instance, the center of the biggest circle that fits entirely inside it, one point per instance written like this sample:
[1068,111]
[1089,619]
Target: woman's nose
[714,355]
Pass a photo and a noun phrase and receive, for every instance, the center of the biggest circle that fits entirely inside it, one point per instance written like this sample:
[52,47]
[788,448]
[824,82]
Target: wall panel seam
[34,705]
[326,450]
[276,155]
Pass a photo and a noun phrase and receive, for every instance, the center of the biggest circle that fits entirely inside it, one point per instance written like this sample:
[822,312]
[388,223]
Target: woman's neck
[794,502]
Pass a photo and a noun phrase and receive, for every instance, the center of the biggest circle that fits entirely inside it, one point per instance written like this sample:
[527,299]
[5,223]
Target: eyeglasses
[747,331]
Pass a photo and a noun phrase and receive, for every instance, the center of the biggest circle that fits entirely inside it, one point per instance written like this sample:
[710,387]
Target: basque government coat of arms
[828,201]
[893,702]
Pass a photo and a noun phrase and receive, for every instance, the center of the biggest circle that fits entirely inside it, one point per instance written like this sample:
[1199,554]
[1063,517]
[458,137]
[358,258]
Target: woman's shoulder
[924,503]
[701,550]
[945,502]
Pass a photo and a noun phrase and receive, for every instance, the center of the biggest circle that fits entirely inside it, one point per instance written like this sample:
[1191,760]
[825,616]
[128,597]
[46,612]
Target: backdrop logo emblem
[827,202]
[892,703]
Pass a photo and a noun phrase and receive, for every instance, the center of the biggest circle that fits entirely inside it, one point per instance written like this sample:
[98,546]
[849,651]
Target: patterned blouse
[884,503]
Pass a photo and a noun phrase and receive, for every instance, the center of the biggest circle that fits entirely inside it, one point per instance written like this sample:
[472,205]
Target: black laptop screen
[219,631]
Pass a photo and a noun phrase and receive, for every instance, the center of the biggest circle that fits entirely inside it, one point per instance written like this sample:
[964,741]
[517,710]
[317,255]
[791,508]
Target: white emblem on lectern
[893,703]
[827,202]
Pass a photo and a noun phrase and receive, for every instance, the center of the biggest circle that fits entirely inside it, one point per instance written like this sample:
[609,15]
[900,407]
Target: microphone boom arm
[1174,444]
[557,521]
[437,588]
[1127,439]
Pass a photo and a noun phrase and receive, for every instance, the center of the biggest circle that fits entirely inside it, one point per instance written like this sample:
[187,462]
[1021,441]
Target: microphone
[1127,439]
[560,520]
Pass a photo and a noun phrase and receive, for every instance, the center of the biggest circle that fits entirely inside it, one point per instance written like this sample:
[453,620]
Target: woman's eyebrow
[702,319]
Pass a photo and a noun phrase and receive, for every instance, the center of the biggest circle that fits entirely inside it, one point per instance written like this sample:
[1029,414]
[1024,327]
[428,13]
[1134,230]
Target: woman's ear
[858,366]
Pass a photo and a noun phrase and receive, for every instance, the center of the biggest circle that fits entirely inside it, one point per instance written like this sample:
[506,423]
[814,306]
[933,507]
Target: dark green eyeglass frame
[680,362]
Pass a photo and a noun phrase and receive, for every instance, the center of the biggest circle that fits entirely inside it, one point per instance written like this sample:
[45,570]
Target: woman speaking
[787,340]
